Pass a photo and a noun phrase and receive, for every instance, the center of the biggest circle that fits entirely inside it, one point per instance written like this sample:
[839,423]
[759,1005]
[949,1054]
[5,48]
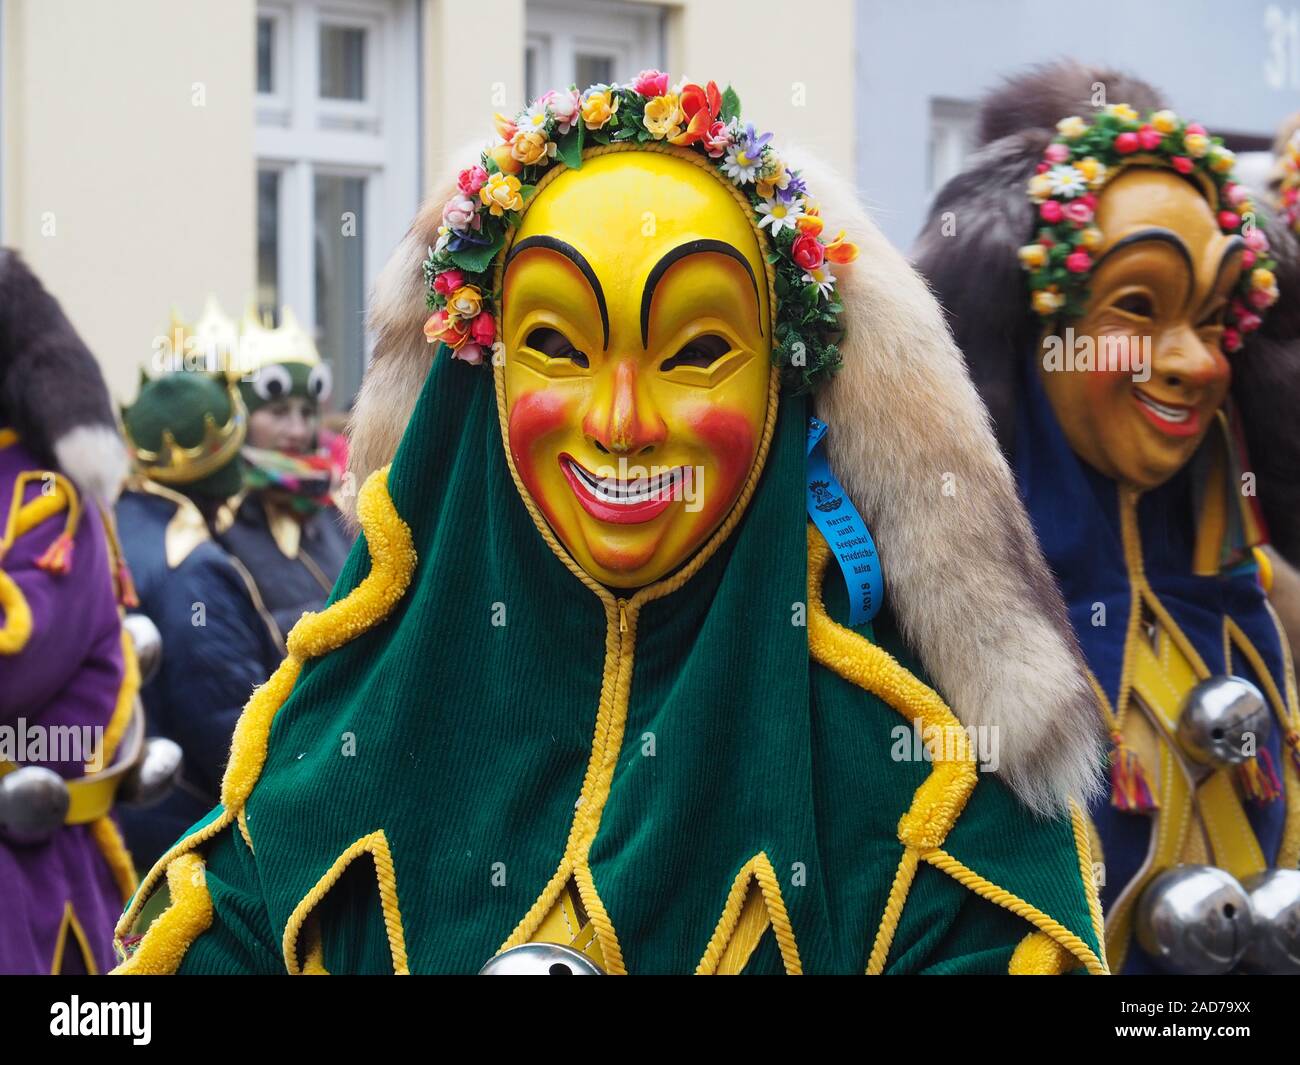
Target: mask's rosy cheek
[729,435]
[533,417]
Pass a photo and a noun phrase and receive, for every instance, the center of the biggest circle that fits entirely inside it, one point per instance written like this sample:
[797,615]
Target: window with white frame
[583,42]
[337,169]
[952,139]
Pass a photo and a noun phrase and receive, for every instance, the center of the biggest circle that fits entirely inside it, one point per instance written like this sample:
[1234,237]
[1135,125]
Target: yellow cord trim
[907,866]
[758,869]
[1038,954]
[1083,844]
[17,628]
[252,734]
[125,708]
[160,952]
[70,923]
[970,879]
[376,845]
[8,437]
[111,845]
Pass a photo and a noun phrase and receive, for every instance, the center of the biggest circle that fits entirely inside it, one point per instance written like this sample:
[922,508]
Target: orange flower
[700,108]
[442,326]
[840,250]
[505,161]
[505,126]
[810,221]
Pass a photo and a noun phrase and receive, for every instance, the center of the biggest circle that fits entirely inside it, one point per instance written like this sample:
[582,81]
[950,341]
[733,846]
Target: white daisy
[822,278]
[534,116]
[780,215]
[740,167]
[1067,181]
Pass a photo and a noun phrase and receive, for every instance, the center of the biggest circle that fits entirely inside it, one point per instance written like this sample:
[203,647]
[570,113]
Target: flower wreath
[1289,188]
[555,128]
[1079,163]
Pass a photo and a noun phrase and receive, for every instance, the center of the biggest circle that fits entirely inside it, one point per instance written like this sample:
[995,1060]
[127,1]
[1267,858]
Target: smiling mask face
[637,360]
[1162,281]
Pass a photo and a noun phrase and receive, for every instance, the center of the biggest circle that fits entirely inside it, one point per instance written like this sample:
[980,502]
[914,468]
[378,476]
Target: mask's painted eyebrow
[1160,236]
[578,259]
[1235,246]
[691,247]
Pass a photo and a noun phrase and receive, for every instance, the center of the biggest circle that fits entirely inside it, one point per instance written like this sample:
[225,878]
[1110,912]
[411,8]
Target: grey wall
[1213,59]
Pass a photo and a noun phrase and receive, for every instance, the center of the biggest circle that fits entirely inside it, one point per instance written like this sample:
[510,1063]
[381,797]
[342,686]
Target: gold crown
[174,464]
[266,345]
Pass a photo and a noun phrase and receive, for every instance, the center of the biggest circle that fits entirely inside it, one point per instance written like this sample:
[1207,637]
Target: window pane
[593,70]
[265,49]
[268,244]
[342,63]
[340,281]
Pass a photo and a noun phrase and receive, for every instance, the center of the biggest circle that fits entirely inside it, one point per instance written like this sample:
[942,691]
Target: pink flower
[1149,137]
[1078,262]
[1050,212]
[1229,220]
[1249,322]
[565,106]
[1078,212]
[470,353]
[1056,153]
[1231,339]
[448,282]
[1042,168]
[651,83]
[1183,164]
[1195,127]
[1247,259]
[1261,299]
[807,251]
[483,330]
[460,213]
[1127,143]
[1256,240]
[471,180]
[717,140]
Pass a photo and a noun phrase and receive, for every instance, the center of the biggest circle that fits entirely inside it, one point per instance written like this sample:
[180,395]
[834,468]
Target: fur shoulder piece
[51,388]
[967,581]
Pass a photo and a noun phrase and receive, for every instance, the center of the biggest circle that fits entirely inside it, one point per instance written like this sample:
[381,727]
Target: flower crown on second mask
[1289,187]
[555,129]
[1078,164]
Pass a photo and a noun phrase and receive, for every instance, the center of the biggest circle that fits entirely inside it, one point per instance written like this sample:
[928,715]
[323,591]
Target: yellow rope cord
[109,840]
[907,866]
[1083,844]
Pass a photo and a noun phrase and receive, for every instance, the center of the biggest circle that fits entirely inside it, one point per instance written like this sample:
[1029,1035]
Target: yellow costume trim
[70,923]
[7,438]
[242,821]
[1038,954]
[313,954]
[968,878]
[1083,835]
[17,628]
[376,845]
[160,952]
[393,561]
[907,866]
[126,705]
[109,840]
[744,921]
[938,802]
[1265,565]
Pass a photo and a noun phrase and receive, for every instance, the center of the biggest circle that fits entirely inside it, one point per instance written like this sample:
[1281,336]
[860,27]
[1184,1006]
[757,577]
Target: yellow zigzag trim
[758,870]
[188,917]
[393,560]
[376,845]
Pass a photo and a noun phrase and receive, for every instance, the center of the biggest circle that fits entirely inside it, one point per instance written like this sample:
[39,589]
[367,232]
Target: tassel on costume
[1259,779]
[1130,790]
[58,556]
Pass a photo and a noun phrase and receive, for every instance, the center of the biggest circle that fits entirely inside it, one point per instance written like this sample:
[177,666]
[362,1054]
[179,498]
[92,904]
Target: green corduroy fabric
[466,743]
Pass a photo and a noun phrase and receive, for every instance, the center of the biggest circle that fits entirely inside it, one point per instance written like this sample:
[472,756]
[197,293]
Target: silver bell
[153,773]
[1275,906]
[33,803]
[1194,919]
[148,644]
[1224,721]
[540,959]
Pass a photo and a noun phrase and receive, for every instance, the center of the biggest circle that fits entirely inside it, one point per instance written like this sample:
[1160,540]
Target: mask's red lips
[1173,419]
[622,502]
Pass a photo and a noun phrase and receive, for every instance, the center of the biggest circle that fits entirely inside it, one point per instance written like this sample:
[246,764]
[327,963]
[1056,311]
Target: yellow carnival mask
[636,327]
[1162,282]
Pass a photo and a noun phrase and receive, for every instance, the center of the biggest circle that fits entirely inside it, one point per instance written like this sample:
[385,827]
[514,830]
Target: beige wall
[147,186]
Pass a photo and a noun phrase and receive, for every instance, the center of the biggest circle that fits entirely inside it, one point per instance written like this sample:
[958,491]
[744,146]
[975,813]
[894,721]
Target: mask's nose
[622,419]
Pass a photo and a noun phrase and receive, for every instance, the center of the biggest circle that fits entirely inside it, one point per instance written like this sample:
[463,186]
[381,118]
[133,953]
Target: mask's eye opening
[703,351]
[1136,303]
[555,345]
